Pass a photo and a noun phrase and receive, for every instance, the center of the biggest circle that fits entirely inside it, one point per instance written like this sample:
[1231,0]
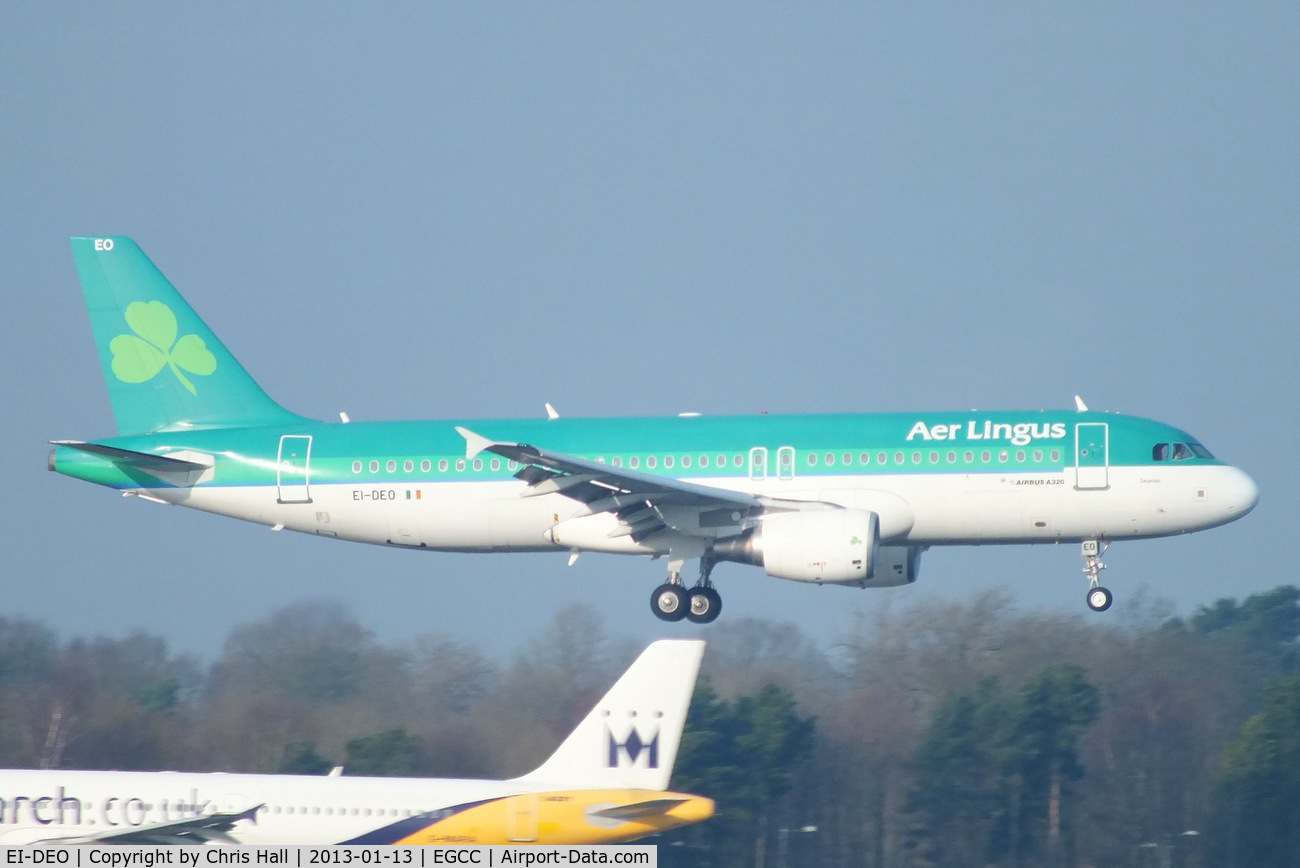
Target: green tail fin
[164,367]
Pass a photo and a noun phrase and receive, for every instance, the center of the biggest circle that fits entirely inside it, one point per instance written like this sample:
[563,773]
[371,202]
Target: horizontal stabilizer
[639,810]
[180,472]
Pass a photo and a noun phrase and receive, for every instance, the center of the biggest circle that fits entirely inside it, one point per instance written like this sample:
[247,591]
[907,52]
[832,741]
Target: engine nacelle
[832,546]
[895,565]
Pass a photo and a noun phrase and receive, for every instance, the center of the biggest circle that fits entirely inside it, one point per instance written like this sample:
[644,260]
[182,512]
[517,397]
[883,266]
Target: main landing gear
[702,604]
[1099,599]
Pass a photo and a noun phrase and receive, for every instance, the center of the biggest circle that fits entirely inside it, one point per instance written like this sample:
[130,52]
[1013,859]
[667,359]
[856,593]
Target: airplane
[838,499]
[606,784]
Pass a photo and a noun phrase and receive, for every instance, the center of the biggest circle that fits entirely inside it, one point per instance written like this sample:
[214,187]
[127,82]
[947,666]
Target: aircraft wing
[195,830]
[645,504]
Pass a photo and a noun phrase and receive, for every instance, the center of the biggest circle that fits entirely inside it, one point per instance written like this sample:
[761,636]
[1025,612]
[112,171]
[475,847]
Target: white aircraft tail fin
[630,739]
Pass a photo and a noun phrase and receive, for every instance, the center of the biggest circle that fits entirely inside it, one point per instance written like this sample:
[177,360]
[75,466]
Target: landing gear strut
[1099,599]
[706,602]
[702,604]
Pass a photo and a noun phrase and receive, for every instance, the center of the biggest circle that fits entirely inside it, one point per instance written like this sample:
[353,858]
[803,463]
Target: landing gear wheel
[705,605]
[669,602]
[1099,599]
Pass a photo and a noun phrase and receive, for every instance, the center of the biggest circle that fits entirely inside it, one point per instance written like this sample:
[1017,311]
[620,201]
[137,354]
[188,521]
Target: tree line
[940,734]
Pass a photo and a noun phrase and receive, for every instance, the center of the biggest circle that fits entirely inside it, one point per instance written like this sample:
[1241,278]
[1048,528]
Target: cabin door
[292,469]
[1092,455]
[521,818]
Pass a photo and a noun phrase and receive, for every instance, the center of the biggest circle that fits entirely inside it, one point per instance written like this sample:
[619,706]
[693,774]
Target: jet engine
[826,546]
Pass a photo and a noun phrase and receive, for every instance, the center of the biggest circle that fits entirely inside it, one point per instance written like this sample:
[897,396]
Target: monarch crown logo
[632,747]
[140,357]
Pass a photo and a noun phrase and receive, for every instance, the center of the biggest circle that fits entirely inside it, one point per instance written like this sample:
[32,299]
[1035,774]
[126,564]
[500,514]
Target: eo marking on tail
[164,367]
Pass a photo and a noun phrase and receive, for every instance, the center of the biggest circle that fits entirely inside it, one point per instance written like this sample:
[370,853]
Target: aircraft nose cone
[1249,493]
[1243,493]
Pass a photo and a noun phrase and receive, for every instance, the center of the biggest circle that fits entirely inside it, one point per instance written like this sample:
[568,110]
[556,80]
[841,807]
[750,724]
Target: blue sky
[467,210]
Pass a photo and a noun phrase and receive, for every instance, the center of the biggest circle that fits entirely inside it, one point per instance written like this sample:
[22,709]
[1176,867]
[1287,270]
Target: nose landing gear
[1099,598]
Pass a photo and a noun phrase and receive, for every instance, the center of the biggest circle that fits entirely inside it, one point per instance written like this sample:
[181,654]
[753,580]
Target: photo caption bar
[484,856]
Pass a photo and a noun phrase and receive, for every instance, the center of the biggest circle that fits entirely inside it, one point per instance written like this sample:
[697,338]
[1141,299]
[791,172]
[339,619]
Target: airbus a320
[841,499]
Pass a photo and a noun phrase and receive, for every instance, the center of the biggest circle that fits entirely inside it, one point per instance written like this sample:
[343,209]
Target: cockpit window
[1179,452]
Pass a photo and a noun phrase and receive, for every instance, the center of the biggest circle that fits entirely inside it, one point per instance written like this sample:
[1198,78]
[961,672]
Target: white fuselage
[921,509]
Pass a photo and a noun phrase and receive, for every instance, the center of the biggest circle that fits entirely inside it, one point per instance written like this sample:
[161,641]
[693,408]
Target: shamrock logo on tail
[140,357]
